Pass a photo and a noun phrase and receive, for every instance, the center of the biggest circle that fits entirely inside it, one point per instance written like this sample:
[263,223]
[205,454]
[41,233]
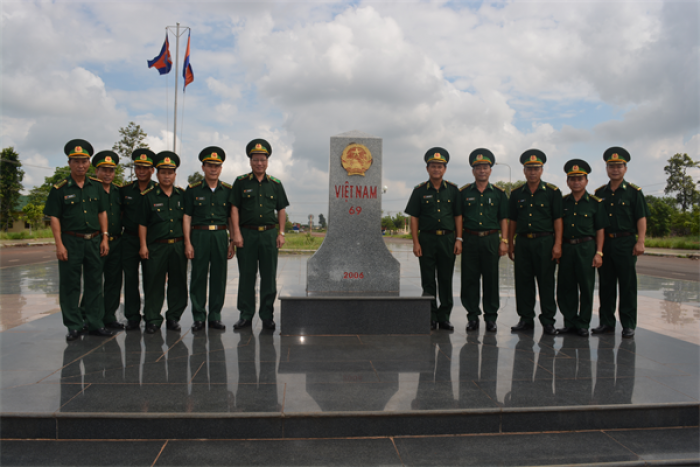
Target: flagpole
[177,58]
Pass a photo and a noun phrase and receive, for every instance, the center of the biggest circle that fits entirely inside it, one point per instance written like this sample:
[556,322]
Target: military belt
[618,234]
[536,234]
[170,240]
[79,235]
[481,233]
[259,228]
[437,232]
[114,237]
[575,241]
[209,227]
[129,232]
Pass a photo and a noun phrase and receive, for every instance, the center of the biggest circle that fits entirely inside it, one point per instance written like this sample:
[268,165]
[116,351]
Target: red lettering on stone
[338,191]
[358,192]
[373,192]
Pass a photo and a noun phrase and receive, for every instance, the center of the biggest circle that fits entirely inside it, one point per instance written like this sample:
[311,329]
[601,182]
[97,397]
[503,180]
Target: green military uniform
[535,214]
[436,210]
[112,263]
[482,213]
[257,202]
[581,219]
[624,207]
[210,211]
[131,204]
[162,216]
[77,209]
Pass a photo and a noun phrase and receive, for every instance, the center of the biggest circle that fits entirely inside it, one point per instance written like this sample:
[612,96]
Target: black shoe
[446,325]
[131,325]
[491,326]
[172,325]
[566,330]
[603,329]
[114,325]
[472,325]
[72,335]
[268,324]
[433,325]
[522,326]
[627,333]
[152,328]
[85,327]
[102,332]
[198,325]
[582,332]
[243,323]
[550,330]
[216,325]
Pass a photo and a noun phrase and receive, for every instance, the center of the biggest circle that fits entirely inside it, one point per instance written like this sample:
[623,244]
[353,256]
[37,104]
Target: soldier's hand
[597,261]
[231,250]
[189,251]
[61,253]
[280,241]
[511,252]
[104,247]
[502,249]
[638,249]
[238,240]
[417,251]
[143,252]
[556,252]
[458,247]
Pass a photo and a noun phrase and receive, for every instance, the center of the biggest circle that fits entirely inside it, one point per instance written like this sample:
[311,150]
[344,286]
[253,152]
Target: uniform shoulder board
[518,188]
[226,185]
[61,183]
[453,184]
[595,198]
[270,177]
[465,187]
[420,185]
[566,196]
[553,187]
[117,185]
[498,188]
[192,185]
[242,177]
[636,187]
[95,179]
[179,188]
[147,190]
[601,187]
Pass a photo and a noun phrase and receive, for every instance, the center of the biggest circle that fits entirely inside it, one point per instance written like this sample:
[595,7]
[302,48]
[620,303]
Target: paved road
[670,268]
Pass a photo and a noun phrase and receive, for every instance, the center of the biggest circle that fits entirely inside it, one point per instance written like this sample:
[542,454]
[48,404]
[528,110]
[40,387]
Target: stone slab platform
[345,314]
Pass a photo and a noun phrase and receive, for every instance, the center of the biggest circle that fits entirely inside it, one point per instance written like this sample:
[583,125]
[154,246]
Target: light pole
[510,179]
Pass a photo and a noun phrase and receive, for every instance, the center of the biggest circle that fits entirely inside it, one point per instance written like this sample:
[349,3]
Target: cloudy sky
[569,77]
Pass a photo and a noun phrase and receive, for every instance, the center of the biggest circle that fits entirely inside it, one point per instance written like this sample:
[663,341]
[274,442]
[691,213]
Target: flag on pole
[187,74]
[162,62]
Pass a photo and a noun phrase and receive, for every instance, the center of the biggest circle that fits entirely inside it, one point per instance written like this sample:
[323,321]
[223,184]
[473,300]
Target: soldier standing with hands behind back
[77,208]
[207,216]
[435,208]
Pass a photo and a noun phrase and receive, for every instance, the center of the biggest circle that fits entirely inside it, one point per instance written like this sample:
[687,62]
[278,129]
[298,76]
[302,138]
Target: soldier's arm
[558,231]
[236,229]
[458,230]
[641,232]
[186,226]
[143,233]
[104,227]
[414,235]
[512,227]
[282,218]
[61,252]
[503,246]
[599,241]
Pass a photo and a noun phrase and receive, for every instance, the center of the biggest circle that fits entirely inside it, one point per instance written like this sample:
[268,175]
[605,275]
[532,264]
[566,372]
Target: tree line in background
[677,214]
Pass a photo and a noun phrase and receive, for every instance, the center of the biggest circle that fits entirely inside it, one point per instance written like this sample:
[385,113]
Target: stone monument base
[342,314]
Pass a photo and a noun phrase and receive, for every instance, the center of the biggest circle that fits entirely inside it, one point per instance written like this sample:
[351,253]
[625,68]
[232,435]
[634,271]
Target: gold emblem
[615,156]
[356,159]
[438,156]
[479,157]
[108,159]
[143,157]
[166,160]
[258,146]
[533,157]
[574,168]
[78,149]
[214,155]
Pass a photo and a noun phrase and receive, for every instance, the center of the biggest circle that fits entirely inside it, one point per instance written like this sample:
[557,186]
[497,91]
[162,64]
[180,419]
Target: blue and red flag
[187,74]
[163,62]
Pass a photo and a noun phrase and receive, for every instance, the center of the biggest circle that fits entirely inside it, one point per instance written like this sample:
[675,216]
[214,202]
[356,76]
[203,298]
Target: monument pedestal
[348,314]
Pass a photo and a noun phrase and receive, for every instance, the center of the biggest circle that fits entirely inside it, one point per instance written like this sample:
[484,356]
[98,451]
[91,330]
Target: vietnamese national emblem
[356,159]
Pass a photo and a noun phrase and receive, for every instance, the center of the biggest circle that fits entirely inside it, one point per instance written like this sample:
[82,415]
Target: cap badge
[479,157]
[575,168]
[78,149]
[438,155]
[214,155]
[533,158]
[108,159]
[143,157]
[166,160]
[615,156]
[258,146]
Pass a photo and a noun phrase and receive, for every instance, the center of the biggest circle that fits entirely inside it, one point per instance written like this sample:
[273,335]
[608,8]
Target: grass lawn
[25,234]
[679,243]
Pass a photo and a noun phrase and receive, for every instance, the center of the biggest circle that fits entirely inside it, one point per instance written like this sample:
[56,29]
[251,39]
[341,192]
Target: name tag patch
[69,196]
[200,198]
[427,196]
[157,205]
[248,191]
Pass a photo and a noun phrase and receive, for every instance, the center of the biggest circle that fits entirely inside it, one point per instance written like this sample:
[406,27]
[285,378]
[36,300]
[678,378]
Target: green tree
[400,221]
[33,214]
[195,177]
[388,223]
[510,186]
[11,176]
[132,139]
[680,182]
[662,209]
[322,220]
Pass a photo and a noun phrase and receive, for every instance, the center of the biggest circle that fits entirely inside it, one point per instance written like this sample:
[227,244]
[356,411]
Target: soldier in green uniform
[162,246]
[484,216]
[435,208]
[105,163]
[205,225]
[627,213]
[77,208]
[131,259]
[584,222]
[254,199]
[535,211]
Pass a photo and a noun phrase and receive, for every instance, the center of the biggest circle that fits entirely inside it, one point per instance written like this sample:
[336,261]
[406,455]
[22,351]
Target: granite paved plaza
[447,398]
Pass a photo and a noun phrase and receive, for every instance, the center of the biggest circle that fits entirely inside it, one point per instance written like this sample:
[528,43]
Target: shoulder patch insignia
[179,188]
[635,187]
[95,179]
[595,198]
[61,183]
[242,176]
[566,196]
[147,190]
[117,185]
[270,177]
[420,185]
[192,185]
[553,187]
[453,184]
[465,187]
[601,187]
[498,188]
[226,185]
